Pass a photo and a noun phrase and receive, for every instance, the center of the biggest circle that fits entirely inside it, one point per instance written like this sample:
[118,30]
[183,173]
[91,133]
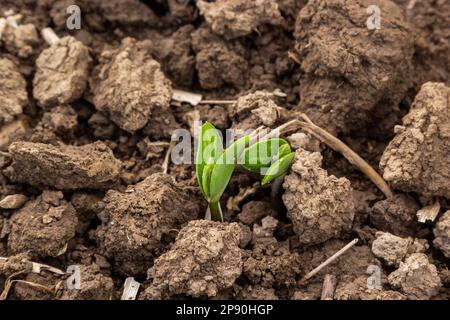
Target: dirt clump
[253,211]
[204,260]
[357,290]
[62,120]
[389,248]
[62,72]
[64,167]
[43,226]
[21,40]
[257,293]
[345,76]
[272,264]
[416,277]
[237,18]
[13,93]
[138,224]
[417,158]
[129,85]
[442,234]
[396,215]
[320,205]
[218,63]
[13,201]
[176,56]
[255,109]
[266,229]
[93,285]
[15,263]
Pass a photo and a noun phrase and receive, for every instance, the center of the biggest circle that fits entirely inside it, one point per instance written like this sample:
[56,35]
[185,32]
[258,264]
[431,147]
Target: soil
[86,123]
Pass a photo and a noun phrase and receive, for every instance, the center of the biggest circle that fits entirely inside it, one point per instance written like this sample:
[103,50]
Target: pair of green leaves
[271,158]
[215,166]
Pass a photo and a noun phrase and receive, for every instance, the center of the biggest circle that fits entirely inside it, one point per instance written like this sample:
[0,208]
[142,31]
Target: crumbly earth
[129,85]
[204,260]
[13,201]
[396,215]
[390,249]
[417,159]
[262,62]
[62,120]
[43,226]
[442,234]
[62,72]
[93,285]
[237,18]
[320,206]
[272,264]
[21,40]
[255,109]
[15,263]
[417,278]
[357,290]
[13,94]
[257,293]
[346,77]
[63,167]
[217,62]
[253,211]
[138,224]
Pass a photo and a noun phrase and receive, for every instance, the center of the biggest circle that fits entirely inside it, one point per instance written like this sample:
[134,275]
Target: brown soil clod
[237,18]
[64,167]
[62,73]
[417,158]
[396,215]
[346,77]
[43,226]
[320,206]
[442,234]
[93,286]
[139,224]
[87,118]
[13,92]
[205,259]
[417,278]
[129,85]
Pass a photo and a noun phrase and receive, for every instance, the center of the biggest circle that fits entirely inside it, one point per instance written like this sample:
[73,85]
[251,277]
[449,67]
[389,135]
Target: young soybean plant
[215,165]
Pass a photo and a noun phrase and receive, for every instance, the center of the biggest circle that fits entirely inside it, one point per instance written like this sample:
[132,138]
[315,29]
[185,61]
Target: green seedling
[215,165]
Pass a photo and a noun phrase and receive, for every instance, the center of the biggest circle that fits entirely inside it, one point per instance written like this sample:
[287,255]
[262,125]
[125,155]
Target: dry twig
[330,260]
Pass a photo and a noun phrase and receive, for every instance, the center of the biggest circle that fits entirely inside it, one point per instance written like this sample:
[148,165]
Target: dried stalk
[330,260]
[49,36]
[335,144]
[165,165]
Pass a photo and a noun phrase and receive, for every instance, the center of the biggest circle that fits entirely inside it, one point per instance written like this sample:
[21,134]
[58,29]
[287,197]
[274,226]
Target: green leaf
[210,147]
[284,150]
[261,154]
[278,168]
[206,179]
[224,167]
